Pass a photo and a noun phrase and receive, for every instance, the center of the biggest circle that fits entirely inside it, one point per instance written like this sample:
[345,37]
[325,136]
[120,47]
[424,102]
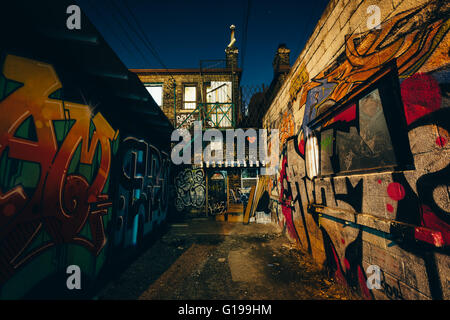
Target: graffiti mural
[287,127]
[143,190]
[300,79]
[402,39]
[375,192]
[217,192]
[187,120]
[55,162]
[216,207]
[60,192]
[190,189]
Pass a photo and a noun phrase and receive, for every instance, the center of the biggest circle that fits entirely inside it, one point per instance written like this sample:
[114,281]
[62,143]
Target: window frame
[226,117]
[185,85]
[387,83]
[156,84]
[249,179]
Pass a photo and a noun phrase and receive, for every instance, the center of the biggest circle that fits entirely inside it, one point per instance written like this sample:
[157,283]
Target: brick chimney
[231,51]
[281,60]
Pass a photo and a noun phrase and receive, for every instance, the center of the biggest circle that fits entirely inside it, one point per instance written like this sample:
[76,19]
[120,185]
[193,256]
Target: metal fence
[211,114]
[252,106]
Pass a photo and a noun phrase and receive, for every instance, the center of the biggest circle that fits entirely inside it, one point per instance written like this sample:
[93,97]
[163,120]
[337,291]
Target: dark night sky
[183,32]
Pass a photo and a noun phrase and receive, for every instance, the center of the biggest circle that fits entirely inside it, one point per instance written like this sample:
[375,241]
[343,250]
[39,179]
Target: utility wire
[147,40]
[141,34]
[129,37]
[124,46]
[120,24]
[244,38]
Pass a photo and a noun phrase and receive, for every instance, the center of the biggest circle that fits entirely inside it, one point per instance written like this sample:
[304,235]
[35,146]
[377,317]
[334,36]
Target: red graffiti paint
[389,207]
[301,147]
[396,191]
[421,95]
[9,209]
[339,275]
[285,200]
[347,115]
[347,264]
[429,236]
[363,284]
[441,141]
[431,221]
[287,213]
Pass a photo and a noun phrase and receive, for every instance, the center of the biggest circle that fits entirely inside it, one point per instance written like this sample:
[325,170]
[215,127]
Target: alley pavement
[202,259]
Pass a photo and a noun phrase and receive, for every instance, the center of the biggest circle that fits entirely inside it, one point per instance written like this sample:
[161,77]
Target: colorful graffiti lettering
[143,184]
[286,199]
[301,78]
[328,215]
[55,158]
[400,38]
[287,127]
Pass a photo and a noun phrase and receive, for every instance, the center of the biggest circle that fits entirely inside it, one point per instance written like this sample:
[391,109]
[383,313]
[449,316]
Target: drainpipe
[174,104]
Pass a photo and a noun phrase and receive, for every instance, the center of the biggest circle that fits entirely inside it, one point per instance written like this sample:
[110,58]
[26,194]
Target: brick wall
[179,79]
[397,217]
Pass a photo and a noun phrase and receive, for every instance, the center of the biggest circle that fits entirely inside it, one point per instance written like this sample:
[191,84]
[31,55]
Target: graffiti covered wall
[142,193]
[190,189]
[56,196]
[364,179]
[55,162]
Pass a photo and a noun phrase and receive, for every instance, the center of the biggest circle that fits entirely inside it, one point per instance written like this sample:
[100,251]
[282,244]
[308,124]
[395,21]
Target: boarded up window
[373,127]
[357,138]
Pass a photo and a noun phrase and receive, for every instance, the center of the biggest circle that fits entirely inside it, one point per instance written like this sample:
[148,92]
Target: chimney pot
[231,51]
[281,61]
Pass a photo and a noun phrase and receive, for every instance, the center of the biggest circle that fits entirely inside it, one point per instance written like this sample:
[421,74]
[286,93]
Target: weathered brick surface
[342,54]
[182,78]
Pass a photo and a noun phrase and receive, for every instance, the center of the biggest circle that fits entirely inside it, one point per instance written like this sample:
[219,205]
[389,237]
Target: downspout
[174,104]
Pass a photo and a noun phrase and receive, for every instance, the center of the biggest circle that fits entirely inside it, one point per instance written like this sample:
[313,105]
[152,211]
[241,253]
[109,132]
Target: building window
[220,107]
[356,138]
[190,97]
[156,91]
[249,178]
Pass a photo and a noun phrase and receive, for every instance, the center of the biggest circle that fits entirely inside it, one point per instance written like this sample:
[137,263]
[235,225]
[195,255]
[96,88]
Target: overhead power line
[127,48]
[244,35]
[120,24]
[141,34]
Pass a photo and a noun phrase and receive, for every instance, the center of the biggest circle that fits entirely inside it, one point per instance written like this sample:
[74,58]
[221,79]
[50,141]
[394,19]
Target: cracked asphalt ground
[201,259]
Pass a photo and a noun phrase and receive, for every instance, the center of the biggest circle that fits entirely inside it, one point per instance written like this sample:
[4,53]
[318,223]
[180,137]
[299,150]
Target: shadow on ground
[201,259]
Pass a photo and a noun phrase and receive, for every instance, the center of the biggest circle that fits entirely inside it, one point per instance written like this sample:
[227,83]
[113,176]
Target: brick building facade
[210,94]
[180,91]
